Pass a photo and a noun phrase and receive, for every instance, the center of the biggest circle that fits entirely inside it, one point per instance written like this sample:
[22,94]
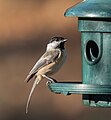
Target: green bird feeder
[94,23]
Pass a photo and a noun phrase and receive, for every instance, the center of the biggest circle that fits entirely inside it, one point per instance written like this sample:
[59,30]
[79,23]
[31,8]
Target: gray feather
[47,58]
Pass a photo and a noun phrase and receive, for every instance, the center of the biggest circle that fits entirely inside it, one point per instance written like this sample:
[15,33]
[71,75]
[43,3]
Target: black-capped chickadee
[50,62]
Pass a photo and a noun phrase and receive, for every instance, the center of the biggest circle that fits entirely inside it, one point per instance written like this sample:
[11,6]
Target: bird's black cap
[57,39]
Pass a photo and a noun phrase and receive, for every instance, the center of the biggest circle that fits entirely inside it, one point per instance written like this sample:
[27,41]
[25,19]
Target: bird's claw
[51,81]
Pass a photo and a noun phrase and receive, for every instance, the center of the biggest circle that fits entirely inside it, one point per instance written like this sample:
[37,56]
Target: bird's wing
[47,58]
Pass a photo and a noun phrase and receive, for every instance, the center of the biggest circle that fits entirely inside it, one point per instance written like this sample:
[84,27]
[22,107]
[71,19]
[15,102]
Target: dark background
[25,28]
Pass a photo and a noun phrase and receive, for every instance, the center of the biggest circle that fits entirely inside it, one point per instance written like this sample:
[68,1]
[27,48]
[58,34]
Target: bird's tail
[36,82]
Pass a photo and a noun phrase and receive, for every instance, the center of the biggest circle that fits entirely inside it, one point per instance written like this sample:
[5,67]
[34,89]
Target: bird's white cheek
[50,47]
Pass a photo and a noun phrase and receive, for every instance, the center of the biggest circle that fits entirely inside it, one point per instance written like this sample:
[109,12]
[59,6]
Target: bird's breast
[58,63]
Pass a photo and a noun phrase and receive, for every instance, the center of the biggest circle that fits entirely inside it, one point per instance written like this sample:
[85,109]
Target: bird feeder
[94,23]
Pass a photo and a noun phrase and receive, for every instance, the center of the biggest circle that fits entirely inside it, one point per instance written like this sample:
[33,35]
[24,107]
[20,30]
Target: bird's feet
[50,80]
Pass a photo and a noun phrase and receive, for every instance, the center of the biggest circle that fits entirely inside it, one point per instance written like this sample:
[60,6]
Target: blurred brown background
[25,28]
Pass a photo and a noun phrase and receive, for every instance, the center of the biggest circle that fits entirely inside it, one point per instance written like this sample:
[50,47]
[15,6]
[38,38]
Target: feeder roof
[91,8]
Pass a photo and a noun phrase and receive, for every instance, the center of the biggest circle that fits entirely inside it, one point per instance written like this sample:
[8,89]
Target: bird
[48,64]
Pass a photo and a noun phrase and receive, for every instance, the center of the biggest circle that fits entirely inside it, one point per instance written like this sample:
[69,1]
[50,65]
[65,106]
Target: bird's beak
[65,40]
